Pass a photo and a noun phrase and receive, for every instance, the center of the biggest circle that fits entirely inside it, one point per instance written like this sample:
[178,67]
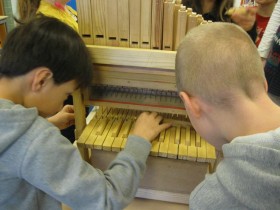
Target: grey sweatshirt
[247,178]
[39,168]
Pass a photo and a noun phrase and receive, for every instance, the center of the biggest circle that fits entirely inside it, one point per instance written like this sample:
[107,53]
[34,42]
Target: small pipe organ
[148,24]
[132,44]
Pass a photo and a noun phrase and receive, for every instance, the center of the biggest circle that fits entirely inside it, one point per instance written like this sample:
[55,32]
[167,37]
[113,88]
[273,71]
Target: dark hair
[218,12]
[46,42]
[27,9]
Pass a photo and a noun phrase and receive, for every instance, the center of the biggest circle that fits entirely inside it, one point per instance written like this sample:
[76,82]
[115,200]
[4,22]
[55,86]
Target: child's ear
[40,78]
[191,104]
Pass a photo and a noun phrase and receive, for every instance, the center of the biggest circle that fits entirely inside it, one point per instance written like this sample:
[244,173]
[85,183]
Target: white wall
[237,3]
[14,7]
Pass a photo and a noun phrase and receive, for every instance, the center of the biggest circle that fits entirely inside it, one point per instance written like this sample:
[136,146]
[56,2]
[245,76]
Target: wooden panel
[180,27]
[192,21]
[112,23]
[165,179]
[85,20]
[98,8]
[146,23]
[123,23]
[177,7]
[168,25]
[157,21]
[133,57]
[135,23]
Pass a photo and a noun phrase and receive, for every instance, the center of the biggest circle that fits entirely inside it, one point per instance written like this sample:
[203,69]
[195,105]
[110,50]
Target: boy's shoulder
[16,120]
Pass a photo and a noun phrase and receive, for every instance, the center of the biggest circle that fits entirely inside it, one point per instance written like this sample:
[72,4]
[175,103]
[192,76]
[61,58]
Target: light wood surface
[85,20]
[112,23]
[140,204]
[146,22]
[133,57]
[168,19]
[3,19]
[157,20]
[123,23]
[149,24]
[135,23]
[98,11]
[181,23]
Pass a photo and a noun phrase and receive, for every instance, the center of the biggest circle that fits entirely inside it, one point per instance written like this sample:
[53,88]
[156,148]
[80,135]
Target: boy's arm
[245,17]
[64,118]
[272,26]
[56,168]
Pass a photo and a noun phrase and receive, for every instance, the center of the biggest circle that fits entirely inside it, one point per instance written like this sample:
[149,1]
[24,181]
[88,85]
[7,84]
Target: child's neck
[10,89]
[266,10]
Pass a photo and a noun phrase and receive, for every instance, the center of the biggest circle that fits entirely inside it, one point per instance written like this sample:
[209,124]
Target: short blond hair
[215,60]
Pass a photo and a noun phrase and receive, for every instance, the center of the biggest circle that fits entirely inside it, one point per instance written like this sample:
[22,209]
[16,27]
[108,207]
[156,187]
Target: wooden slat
[192,21]
[112,26]
[178,135]
[101,138]
[162,135]
[98,8]
[107,144]
[135,23]
[177,7]
[116,128]
[201,152]
[116,146]
[163,147]
[197,140]
[157,24]
[123,22]
[92,137]
[146,23]
[192,149]
[155,147]
[172,147]
[188,136]
[183,148]
[80,113]
[85,20]
[180,27]
[168,18]
[85,134]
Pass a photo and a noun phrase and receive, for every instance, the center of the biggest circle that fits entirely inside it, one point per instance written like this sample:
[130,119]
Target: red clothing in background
[261,26]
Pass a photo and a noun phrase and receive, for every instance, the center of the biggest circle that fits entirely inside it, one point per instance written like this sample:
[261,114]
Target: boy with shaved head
[221,81]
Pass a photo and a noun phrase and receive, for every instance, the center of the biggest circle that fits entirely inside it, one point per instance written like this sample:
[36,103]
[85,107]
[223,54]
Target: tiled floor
[140,204]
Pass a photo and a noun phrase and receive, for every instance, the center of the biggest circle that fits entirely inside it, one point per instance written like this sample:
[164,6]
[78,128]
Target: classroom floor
[140,204]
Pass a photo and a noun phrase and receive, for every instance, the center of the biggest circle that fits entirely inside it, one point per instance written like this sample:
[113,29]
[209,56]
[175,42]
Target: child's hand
[148,126]
[245,17]
[64,118]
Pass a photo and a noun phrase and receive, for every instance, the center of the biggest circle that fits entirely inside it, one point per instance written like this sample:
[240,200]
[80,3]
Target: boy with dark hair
[221,81]
[42,62]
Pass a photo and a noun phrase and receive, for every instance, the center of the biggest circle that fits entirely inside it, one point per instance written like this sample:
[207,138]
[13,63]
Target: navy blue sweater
[272,67]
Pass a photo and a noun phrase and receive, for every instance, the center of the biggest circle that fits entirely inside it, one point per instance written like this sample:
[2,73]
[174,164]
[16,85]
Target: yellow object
[66,16]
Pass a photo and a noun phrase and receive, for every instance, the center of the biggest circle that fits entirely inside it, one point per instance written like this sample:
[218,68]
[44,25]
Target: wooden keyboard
[110,127]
